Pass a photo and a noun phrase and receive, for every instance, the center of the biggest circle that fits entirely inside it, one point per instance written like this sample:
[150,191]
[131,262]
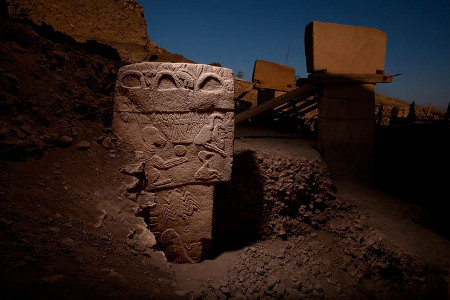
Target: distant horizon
[236,33]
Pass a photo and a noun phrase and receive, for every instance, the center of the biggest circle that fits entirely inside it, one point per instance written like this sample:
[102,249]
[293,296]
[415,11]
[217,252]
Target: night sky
[236,33]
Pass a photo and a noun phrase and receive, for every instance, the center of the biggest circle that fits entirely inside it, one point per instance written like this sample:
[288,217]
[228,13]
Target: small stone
[117,277]
[54,229]
[64,141]
[281,253]
[52,279]
[67,244]
[68,223]
[293,294]
[381,265]
[107,144]
[331,281]
[132,184]
[100,219]
[321,218]
[5,222]
[280,289]
[107,130]
[282,233]
[271,281]
[133,169]
[302,209]
[82,146]
[318,287]
[180,293]
[139,155]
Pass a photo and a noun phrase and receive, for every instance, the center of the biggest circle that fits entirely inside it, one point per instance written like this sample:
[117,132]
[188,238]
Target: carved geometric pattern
[181,117]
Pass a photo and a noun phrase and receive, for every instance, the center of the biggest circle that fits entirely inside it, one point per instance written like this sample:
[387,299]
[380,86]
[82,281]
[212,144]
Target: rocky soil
[118,24]
[312,243]
[49,83]
[70,227]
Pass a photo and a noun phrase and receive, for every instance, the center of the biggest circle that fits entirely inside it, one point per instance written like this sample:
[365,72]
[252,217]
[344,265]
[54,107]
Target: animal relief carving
[181,117]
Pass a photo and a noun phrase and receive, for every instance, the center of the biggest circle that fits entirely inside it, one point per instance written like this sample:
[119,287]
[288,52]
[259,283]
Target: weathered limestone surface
[271,75]
[119,24]
[180,118]
[344,48]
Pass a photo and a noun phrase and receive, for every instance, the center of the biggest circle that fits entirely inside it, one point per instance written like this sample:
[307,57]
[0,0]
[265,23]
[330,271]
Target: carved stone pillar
[181,117]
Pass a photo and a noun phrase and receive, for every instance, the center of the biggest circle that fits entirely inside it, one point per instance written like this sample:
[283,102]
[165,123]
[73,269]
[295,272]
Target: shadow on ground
[238,205]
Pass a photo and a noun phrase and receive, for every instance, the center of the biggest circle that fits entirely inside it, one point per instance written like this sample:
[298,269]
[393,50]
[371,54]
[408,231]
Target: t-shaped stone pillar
[346,109]
[181,117]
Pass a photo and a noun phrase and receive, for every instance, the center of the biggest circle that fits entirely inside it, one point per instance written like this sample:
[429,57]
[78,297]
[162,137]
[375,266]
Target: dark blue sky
[236,33]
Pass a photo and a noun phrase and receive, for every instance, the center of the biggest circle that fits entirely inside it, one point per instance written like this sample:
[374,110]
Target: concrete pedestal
[347,110]
[346,129]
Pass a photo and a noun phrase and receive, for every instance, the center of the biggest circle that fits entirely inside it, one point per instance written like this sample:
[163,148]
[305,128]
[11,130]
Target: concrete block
[349,91]
[346,132]
[349,109]
[347,102]
[344,49]
[274,76]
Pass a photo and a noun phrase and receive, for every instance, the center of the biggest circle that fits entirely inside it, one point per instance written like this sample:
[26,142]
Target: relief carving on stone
[181,117]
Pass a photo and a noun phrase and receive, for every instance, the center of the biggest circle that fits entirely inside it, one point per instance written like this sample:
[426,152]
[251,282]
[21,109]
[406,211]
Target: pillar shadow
[238,205]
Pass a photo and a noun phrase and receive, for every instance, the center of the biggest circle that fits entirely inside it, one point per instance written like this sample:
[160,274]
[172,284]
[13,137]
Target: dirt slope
[69,227]
[119,24]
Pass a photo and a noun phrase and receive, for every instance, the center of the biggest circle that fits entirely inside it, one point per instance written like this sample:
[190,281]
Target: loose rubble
[313,244]
[41,109]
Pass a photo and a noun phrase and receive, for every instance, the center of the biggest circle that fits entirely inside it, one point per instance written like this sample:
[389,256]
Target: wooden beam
[350,78]
[270,86]
[303,91]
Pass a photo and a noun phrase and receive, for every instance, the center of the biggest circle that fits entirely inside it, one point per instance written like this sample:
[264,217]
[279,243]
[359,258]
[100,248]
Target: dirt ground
[68,229]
